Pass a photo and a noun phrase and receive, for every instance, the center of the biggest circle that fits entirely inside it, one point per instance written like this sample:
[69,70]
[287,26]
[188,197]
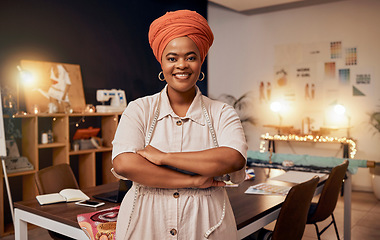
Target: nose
[182,63]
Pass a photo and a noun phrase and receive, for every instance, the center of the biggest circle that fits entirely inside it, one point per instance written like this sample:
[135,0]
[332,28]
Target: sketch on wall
[57,87]
[311,78]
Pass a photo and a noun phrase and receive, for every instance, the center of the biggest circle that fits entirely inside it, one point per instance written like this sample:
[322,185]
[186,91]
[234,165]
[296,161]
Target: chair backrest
[292,218]
[55,178]
[329,195]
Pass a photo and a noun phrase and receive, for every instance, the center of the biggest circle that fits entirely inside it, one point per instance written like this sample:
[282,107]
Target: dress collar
[194,112]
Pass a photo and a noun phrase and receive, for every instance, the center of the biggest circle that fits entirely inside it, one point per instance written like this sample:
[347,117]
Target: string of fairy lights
[311,138]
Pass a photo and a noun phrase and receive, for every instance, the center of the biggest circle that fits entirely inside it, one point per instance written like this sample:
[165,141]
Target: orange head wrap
[179,24]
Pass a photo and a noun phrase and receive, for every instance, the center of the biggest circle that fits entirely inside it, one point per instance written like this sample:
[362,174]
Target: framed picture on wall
[52,87]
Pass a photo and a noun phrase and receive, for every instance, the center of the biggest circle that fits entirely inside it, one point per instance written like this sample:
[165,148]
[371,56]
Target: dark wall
[107,38]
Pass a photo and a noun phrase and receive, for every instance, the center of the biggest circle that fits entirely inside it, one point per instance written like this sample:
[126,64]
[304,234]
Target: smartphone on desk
[90,203]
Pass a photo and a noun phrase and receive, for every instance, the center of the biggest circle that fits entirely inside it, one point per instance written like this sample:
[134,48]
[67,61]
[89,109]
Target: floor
[365,221]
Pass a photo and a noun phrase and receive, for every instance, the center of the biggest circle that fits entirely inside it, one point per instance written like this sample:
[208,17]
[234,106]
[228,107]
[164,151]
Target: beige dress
[188,214]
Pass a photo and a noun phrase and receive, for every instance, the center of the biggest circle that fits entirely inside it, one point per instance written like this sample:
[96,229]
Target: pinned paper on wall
[265,91]
[330,70]
[303,72]
[351,56]
[336,50]
[309,91]
[281,78]
[357,92]
[344,76]
[363,78]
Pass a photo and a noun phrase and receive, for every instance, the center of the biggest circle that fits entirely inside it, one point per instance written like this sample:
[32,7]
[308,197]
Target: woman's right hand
[206,182]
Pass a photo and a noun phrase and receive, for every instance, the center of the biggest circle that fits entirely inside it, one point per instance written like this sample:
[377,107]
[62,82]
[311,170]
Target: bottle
[50,136]
[44,138]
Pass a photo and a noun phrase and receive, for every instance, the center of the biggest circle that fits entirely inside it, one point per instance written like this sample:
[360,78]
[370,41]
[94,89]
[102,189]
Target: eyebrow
[175,54]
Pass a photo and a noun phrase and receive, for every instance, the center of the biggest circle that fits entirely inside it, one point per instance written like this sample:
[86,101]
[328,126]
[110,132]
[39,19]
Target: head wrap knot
[179,24]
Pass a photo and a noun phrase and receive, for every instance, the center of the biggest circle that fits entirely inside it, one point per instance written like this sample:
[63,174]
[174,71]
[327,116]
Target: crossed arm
[145,167]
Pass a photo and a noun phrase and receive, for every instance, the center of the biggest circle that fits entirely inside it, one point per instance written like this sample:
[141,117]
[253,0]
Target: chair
[291,220]
[52,180]
[55,178]
[326,204]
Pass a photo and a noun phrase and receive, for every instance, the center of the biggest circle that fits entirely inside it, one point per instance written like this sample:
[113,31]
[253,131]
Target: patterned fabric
[99,225]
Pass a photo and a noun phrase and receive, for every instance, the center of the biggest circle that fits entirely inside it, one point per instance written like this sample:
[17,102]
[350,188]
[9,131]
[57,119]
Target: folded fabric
[307,160]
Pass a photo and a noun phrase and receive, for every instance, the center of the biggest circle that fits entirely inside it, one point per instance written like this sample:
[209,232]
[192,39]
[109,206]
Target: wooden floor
[365,221]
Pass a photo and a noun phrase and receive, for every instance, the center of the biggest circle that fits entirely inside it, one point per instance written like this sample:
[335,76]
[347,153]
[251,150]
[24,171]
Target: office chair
[291,220]
[52,180]
[326,204]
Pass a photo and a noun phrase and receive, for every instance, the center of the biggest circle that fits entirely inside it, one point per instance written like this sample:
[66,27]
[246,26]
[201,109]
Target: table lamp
[341,111]
[26,77]
[276,107]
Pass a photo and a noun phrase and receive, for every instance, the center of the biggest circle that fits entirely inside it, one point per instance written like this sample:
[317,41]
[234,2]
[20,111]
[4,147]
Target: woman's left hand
[152,154]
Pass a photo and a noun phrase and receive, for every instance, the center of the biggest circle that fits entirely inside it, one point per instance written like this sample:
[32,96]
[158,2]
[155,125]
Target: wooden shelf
[86,160]
[87,151]
[52,145]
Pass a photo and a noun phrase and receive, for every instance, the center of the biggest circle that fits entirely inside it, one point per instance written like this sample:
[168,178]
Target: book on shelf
[66,195]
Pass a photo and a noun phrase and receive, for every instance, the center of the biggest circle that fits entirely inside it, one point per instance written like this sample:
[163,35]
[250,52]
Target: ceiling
[261,6]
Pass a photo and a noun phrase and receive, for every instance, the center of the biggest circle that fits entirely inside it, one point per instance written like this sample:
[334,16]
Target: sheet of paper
[297,176]
[266,188]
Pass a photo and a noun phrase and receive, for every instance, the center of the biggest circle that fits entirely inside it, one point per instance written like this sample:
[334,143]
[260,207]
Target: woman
[173,145]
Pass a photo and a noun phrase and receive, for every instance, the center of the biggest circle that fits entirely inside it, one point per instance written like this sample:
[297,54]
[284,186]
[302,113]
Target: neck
[181,101]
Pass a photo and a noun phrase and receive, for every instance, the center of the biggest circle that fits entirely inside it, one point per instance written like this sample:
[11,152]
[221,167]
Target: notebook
[117,195]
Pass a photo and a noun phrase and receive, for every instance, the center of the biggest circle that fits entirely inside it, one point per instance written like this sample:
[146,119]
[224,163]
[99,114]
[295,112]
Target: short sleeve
[230,133]
[129,136]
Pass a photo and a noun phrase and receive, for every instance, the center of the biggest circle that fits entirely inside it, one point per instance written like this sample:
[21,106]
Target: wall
[108,39]
[244,54]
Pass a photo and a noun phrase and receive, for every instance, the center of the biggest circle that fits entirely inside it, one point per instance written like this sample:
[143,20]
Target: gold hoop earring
[159,76]
[203,77]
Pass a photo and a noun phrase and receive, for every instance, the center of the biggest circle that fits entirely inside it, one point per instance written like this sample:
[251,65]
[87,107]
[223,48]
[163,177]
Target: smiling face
[181,65]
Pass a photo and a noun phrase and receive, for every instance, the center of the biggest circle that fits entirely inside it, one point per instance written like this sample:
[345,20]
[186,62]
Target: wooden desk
[61,217]
[251,211]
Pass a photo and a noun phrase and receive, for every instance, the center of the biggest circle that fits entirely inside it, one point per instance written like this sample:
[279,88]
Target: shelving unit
[32,148]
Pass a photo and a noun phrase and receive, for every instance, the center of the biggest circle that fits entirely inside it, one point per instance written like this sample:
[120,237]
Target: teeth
[182,75]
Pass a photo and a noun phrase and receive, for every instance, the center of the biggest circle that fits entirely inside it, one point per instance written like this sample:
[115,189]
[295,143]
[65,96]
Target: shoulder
[141,109]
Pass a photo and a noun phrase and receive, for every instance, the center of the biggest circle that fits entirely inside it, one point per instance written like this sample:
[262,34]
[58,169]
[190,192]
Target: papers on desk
[265,188]
[298,176]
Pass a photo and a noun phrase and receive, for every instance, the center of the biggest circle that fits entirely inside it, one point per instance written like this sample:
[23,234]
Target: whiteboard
[3,149]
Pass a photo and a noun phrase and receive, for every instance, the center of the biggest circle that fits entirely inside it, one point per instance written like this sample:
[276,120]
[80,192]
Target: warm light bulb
[339,109]
[26,76]
[275,106]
